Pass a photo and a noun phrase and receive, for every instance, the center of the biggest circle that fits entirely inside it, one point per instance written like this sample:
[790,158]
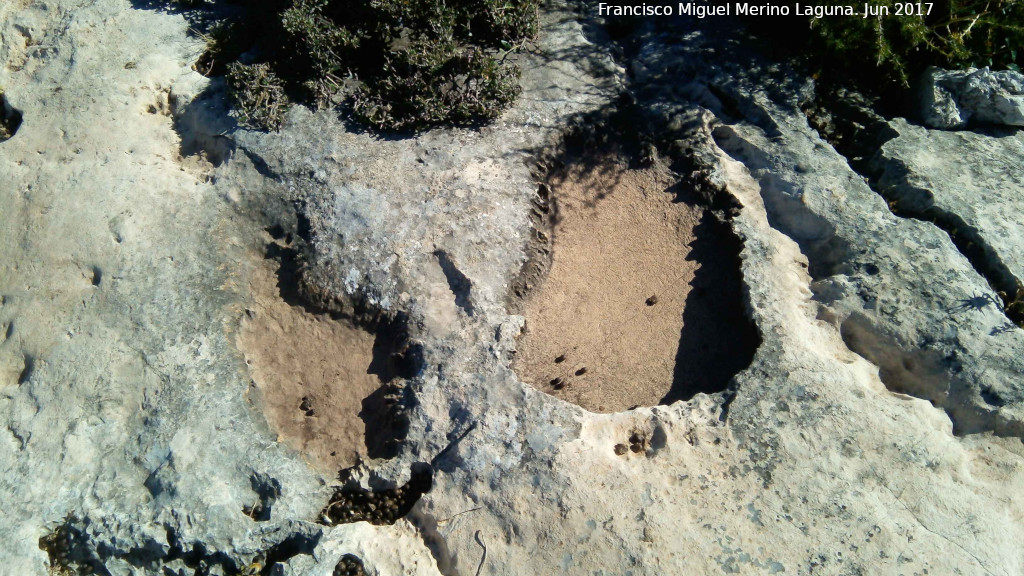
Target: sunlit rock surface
[137,227]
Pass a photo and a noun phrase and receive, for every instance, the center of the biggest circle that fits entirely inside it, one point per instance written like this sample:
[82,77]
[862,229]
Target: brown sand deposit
[311,374]
[641,299]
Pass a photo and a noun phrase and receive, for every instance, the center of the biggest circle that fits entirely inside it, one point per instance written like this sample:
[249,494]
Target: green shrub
[431,84]
[956,34]
[401,64]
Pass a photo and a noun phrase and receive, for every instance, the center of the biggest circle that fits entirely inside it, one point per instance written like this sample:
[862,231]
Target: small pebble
[652,301]
[581,371]
[620,449]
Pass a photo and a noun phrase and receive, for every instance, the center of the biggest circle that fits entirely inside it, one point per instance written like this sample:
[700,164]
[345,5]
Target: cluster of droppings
[568,373]
[638,443]
[349,565]
[378,508]
[58,545]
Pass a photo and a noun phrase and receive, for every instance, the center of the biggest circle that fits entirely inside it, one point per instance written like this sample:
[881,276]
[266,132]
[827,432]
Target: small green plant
[258,95]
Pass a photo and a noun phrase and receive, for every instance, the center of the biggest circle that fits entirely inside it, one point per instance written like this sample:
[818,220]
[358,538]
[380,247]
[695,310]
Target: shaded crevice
[282,552]
[260,165]
[79,546]
[741,107]
[10,119]
[385,413]
[267,490]
[28,369]
[727,400]
[427,526]
[194,555]
[967,239]
[718,339]
[460,285]
[848,123]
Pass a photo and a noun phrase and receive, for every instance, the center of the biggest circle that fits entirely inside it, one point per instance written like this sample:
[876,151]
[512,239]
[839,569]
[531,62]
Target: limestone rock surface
[952,99]
[974,178]
[861,438]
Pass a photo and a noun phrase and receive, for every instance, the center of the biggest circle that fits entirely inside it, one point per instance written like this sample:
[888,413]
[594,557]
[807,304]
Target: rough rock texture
[124,273]
[974,179]
[127,268]
[955,98]
[900,292]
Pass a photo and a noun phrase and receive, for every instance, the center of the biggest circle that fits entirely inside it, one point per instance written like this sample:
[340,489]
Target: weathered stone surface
[122,277]
[953,98]
[974,179]
[127,270]
[876,275]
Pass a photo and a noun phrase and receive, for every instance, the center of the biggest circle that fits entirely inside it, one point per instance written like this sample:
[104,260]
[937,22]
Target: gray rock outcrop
[973,180]
[951,99]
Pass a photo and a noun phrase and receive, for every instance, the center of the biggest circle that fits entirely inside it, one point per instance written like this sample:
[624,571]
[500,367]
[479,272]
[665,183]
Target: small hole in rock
[10,119]
[267,490]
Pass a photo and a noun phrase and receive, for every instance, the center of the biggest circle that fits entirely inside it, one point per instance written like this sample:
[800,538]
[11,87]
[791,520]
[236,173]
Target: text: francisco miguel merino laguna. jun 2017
[749,9]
